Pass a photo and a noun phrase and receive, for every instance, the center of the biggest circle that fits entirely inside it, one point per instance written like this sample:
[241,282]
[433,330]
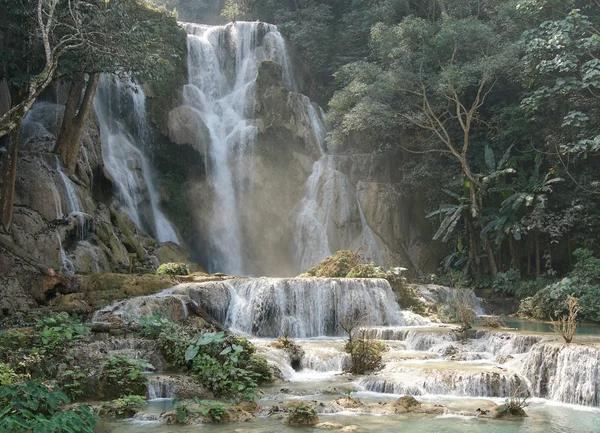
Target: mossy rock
[301,413]
[366,271]
[130,234]
[101,289]
[503,411]
[406,296]
[336,266]
[173,269]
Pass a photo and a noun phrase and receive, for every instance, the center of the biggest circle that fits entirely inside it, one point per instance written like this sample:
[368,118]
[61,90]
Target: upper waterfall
[223,65]
[123,153]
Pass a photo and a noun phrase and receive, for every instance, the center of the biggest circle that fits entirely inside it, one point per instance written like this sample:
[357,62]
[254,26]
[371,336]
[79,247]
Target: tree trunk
[8,178]
[538,271]
[514,252]
[490,254]
[473,250]
[76,114]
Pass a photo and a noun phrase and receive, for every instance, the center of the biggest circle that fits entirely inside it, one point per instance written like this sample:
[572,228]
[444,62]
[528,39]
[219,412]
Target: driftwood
[200,312]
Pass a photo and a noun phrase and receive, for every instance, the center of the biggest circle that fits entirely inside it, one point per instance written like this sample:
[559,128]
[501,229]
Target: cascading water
[223,65]
[123,157]
[326,221]
[307,307]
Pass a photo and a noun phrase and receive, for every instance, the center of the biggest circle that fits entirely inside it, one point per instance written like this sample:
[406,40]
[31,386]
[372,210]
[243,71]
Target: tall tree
[435,76]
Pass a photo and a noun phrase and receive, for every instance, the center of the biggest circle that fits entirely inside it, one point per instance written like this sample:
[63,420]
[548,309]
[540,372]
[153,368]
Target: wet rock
[101,289]
[408,404]
[348,403]
[504,411]
[329,425]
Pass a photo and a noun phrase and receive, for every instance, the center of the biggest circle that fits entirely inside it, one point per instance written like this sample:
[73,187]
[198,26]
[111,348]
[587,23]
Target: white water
[66,265]
[310,307]
[123,157]
[223,65]
[330,216]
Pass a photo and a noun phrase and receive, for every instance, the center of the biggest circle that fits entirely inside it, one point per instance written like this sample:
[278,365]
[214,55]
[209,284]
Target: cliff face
[299,202]
[63,222]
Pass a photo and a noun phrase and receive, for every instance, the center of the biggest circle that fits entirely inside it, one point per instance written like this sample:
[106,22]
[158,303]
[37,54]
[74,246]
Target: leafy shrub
[8,376]
[72,381]
[124,407]
[122,375]
[301,413]
[226,379]
[587,267]
[365,354]
[590,303]
[460,307]
[173,269]
[33,407]
[173,342]
[336,266]
[58,331]
[366,271]
[218,360]
[507,283]
[531,287]
[492,322]
[212,411]
[151,327]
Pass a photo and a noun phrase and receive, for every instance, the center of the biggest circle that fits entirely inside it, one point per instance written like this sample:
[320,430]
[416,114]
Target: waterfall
[326,221]
[310,307]
[124,159]
[223,65]
[566,373]
[70,193]
[66,265]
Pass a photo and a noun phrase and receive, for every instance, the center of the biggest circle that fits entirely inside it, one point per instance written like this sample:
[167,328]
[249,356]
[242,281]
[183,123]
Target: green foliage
[124,407]
[206,339]
[366,271]
[226,365]
[336,266]
[152,327]
[583,282]
[8,376]
[460,307]
[301,413]
[72,381]
[173,342]
[213,411]
[507,282]
[231,10]
[122,375]
[58,331]
[365,355]
[173,269]
[34,407]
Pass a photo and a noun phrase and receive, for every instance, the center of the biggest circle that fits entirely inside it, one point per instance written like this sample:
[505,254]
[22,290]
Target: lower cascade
[306,307]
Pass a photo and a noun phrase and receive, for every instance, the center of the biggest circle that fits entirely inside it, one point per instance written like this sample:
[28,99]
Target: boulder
[100,289]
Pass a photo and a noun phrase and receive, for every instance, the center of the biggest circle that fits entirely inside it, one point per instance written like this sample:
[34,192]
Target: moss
[336,266]
[100,289]
[126,227]
[173,269]
[366,271]
[406,296]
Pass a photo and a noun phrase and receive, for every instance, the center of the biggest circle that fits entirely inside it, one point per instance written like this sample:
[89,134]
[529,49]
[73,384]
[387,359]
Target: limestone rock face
[64,222]
[186,126]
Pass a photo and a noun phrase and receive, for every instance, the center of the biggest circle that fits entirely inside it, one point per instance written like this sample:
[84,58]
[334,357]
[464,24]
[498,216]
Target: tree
[72,39]
[126,38]
[434,76]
